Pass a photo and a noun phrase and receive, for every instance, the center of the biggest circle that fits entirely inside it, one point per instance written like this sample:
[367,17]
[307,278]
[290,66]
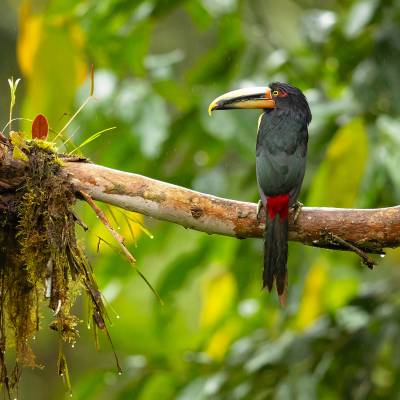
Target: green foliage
[346,152]
[157,66]
[304,364]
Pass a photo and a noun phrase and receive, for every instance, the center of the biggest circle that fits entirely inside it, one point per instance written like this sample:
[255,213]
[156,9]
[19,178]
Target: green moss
[41,262]
[44,145]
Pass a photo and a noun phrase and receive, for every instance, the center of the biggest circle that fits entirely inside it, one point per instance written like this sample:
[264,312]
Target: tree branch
[370,230]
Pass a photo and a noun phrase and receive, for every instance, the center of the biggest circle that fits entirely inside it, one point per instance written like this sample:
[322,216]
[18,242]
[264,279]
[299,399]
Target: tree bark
[369,230]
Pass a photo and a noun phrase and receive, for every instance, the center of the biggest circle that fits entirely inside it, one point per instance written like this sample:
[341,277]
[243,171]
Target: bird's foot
[297,209]
[260,206]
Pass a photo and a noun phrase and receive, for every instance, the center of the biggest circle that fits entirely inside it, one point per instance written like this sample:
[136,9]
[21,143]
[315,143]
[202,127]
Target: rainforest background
[158,64]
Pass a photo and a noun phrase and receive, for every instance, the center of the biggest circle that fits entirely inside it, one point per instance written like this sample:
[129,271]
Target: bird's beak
[256,97]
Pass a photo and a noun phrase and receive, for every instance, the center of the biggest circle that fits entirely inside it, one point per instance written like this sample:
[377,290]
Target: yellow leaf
[126,223]
[50,53]
[17,139]
[30,30]
[219,342]
[311,305]
[218,294]
[18,154]
[337,181]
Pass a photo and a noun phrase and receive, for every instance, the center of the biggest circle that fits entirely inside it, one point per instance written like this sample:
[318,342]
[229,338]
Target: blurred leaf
[152,125]
[219,7]
[352,318]
[54,74]
[203,388]
[387,153]
[298,386]
[359,15]
[270,353]
[89,386]
[217,296]
[221,339]
[194,391]
[161,65]
[174,93]
[159,386]
[163,7]
[337,181]
[199,14]
[134,48]
[177,273]
[147,114]
[318,24]
[219,62]
[310,305]
[31,29]
[340,290]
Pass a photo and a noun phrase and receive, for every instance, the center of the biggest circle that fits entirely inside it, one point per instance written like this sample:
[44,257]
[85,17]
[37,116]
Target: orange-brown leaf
[40,127]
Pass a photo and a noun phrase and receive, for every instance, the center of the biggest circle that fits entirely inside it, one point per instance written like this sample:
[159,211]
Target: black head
[290,101]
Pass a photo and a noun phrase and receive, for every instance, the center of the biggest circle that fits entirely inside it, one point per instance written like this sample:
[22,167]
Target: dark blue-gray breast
[281,154]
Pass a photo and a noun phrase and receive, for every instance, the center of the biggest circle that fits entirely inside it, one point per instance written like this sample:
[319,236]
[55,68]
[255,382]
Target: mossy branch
[369,230]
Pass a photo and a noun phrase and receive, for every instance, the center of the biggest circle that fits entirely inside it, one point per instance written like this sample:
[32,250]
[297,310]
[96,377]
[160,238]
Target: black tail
[275,255]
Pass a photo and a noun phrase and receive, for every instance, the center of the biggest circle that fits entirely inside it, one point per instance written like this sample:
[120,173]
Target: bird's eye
[275,93]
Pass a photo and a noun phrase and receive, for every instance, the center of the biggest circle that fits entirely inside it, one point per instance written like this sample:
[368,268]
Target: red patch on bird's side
[40,127]
[278,205]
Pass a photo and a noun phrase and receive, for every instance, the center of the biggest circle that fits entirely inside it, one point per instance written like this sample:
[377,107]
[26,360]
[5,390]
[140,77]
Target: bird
[281,152]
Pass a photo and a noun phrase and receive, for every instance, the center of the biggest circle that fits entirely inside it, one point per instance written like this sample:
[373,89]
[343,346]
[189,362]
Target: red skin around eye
[282,93]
